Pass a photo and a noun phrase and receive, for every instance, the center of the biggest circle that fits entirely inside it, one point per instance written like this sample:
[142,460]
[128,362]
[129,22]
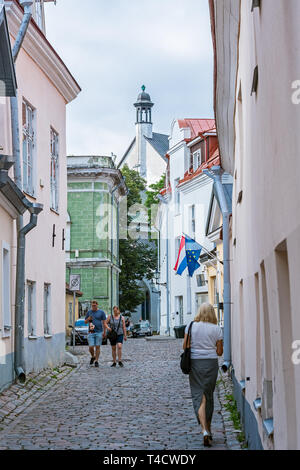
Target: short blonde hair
[206,313]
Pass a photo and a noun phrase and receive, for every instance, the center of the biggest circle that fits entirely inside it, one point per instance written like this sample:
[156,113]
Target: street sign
[74,282]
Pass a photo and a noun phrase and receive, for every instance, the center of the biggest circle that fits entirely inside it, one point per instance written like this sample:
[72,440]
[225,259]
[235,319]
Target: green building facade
[95,188]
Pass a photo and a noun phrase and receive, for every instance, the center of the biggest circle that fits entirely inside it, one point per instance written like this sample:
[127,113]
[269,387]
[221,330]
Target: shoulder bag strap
[189,337]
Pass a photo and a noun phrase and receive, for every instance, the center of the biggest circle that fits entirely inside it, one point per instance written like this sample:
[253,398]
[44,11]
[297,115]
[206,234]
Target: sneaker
[121,364]
[96,364]
[113,364]
[92,360]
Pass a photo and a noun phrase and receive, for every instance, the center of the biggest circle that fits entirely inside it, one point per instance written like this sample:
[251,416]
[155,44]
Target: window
[31,308]
[54,169]
[6,301]
[47,292]
[197,159]
[201,299]
[28,121]
[200,280]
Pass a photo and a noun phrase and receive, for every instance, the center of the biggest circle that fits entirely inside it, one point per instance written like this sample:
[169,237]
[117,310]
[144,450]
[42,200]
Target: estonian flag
[188,255]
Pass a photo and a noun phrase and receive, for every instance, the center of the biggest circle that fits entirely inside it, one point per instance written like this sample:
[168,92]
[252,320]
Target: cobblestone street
[145,405]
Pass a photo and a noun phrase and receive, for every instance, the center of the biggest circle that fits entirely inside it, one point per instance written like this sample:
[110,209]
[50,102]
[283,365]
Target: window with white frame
[54,142]
[6,289]
[31,308]
[47,309]
[28,129]
[197,159]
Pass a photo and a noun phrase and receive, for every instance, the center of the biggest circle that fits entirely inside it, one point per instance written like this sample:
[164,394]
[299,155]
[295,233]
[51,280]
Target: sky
[114,47]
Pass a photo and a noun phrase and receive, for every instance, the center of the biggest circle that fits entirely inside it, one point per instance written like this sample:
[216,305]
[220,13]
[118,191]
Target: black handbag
[112,334]
[185,359]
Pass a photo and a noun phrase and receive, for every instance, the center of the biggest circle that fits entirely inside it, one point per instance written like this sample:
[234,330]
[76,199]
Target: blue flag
[193,251]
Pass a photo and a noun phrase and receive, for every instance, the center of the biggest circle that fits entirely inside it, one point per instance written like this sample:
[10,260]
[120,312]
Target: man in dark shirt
[97,326]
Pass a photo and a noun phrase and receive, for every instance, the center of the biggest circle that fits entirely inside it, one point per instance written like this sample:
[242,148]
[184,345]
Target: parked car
[142,329]
[81,332]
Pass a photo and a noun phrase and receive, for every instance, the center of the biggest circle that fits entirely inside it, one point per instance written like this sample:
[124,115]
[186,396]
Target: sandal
[206,441]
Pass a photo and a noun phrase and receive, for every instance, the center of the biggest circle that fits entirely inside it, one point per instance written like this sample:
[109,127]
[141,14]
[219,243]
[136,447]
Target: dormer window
[197,159]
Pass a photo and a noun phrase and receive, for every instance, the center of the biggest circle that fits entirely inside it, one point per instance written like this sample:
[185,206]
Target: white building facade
[184,210]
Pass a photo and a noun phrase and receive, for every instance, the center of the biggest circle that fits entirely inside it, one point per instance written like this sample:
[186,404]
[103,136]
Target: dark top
[97,317]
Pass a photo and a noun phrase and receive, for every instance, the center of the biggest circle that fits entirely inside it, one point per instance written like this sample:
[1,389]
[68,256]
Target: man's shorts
[118,340]
[95,339]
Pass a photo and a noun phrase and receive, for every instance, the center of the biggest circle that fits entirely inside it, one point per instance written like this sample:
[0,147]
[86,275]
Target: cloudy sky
[113,47]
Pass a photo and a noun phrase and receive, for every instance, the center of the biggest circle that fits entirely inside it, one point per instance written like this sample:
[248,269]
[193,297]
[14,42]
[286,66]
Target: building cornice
[90,262]
[197,182]
[42,53]
[113,174]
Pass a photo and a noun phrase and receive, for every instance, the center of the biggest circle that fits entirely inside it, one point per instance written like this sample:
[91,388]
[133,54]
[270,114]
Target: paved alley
[146,405]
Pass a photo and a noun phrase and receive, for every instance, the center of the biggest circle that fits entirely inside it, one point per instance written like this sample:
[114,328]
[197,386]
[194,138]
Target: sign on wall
[74,282]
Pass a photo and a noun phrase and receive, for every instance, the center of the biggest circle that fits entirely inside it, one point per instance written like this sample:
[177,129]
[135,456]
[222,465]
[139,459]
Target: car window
[137,326]
[80,323]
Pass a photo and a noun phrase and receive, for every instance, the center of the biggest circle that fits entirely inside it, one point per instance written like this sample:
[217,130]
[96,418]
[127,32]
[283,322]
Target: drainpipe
[34,210]
[27,5]
[216,174]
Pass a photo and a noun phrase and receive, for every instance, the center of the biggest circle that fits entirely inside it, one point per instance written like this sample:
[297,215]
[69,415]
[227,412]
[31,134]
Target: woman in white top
[206,345]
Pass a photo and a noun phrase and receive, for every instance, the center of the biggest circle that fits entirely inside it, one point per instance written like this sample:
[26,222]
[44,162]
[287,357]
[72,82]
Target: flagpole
[209,254]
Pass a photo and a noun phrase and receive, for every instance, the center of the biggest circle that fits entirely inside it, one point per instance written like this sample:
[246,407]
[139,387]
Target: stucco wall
[266,224]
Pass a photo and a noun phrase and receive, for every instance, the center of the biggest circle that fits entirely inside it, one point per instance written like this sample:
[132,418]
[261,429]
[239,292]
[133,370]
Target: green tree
[152,193]
[139,257]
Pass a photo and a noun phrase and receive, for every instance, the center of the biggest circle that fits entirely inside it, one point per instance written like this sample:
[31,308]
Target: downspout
[216,174]
[34,210]
[20,278]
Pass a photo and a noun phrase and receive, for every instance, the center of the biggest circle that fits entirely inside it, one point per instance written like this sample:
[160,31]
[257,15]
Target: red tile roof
[197,126]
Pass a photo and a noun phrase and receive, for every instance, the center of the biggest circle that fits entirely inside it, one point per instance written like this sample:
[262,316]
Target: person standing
[206,343]
[117,323]
[97,328]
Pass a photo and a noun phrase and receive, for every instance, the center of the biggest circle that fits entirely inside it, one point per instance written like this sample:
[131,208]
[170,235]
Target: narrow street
[146,405]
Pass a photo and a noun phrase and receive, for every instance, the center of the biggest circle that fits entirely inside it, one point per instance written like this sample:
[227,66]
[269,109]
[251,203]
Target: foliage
[139,257]
[153,192]
[231,406]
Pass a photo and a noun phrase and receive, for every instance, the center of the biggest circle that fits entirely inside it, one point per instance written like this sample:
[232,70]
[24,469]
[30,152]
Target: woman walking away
[206,345]
[117,323]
